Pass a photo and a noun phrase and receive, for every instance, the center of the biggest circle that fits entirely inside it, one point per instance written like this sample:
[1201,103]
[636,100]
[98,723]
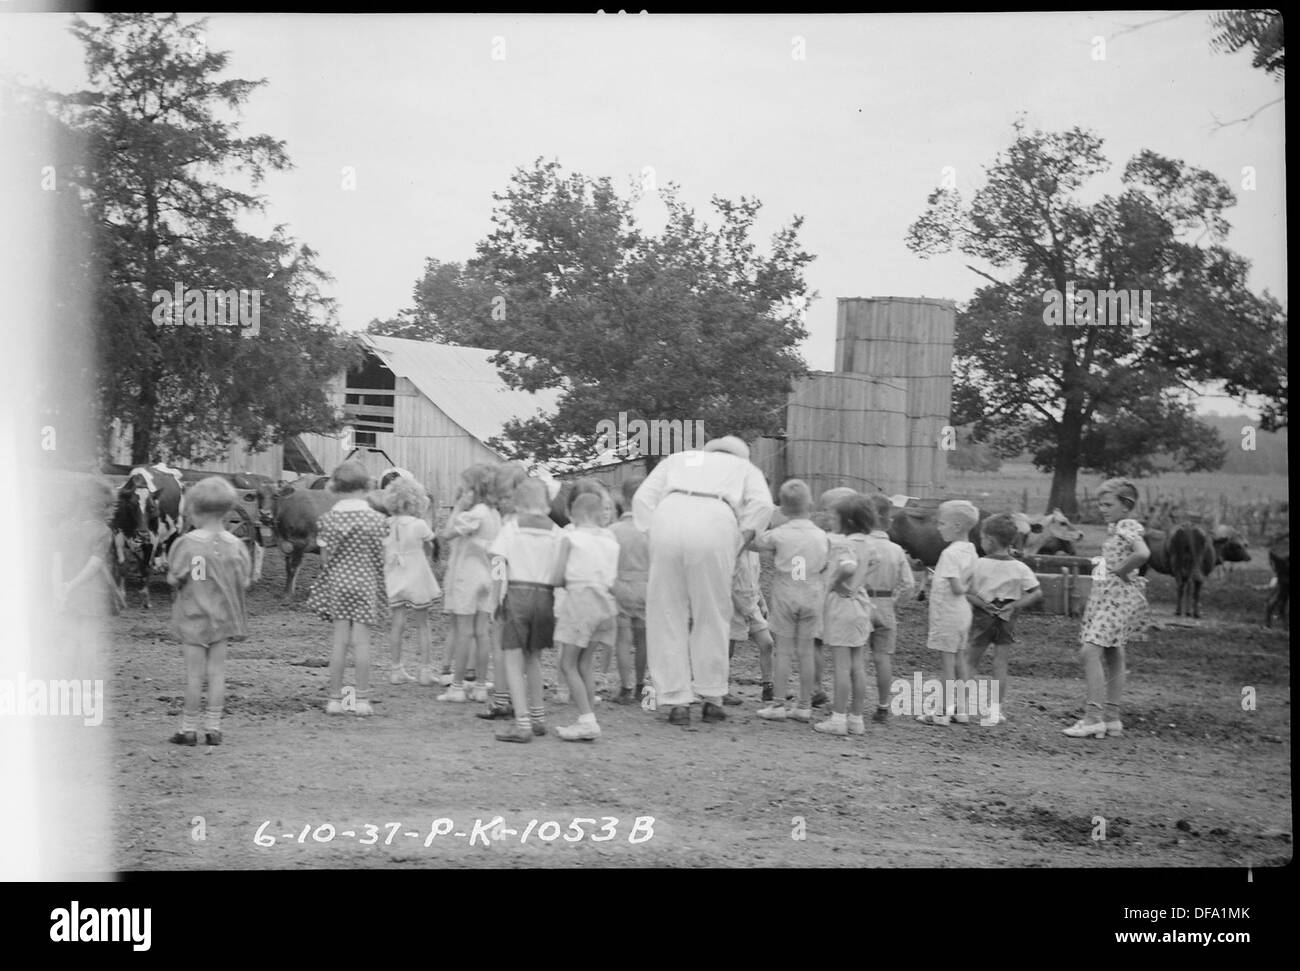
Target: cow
[1279,591]
[1051,535]
[296,517]
[1225,536]
[147,520]
[1189,554]
[917,532]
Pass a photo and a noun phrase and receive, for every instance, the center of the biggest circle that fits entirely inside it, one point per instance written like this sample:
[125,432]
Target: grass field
[1021,487]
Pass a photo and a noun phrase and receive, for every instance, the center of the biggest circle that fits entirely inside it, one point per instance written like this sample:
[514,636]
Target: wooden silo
[906,341]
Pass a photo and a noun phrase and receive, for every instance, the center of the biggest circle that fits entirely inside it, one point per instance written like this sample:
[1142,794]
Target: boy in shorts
[888,577]
[798,597]
[527,551]
[588,614]
[1000,585]
[749,620]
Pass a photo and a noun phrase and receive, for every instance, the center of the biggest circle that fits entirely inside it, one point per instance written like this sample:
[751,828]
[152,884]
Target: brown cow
[1189,554]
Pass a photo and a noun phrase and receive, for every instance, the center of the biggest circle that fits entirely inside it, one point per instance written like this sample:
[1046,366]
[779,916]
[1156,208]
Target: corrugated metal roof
[463,382]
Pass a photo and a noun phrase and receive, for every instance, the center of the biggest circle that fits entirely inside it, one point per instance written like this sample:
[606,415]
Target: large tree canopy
[693,324]
[158,156]
[1110,398]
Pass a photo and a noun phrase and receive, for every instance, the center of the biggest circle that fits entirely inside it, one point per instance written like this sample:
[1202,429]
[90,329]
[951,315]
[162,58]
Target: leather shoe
[495,711]
[713,713]
[680,715]
[514,733]
[730,699]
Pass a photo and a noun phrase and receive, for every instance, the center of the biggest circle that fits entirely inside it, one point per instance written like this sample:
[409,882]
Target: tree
[452,305]
[1260,30]
[1101,392]
[156,149]
[694,324]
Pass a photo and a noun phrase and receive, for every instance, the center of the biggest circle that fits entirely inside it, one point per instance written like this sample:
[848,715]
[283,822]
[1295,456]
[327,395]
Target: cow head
[1230,545]
[137,517]
[1053,530]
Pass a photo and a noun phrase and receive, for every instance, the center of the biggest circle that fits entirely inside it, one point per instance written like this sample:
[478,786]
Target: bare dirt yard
[1199,779]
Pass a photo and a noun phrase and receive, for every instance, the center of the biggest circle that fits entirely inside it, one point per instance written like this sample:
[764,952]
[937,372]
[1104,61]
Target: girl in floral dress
[1118,597]
[351,539]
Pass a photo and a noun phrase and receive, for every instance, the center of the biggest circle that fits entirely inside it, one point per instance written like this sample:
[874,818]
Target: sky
[847,120]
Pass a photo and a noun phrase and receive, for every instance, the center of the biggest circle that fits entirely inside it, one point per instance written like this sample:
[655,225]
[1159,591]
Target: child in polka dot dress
[1118,597]
[351,582]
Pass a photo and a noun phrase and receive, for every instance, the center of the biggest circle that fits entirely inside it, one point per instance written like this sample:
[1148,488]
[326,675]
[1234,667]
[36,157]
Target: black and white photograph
[624,439]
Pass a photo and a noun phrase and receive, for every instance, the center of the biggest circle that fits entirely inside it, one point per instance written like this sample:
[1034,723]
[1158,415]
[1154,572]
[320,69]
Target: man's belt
[880,593]
[707,495]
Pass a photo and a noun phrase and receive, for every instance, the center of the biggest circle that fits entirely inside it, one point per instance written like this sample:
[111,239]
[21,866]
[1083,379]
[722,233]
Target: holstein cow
[147,521]
[1051,535]
[1279,591]
[1188,554]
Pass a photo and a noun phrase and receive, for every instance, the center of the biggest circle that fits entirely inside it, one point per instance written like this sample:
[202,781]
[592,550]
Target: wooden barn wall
[238,458]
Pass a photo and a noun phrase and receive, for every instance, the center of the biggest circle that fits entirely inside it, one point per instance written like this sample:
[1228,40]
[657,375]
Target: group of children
[516,584]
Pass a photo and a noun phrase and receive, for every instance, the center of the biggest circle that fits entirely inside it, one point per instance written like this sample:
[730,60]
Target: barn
[420,405]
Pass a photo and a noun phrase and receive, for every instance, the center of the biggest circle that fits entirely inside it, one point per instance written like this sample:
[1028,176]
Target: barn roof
[462,381]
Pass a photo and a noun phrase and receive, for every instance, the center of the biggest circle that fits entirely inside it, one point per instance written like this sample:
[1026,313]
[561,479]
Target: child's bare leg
[395,632]
[423,636]
[1001,655]
[882,640]
[512,663]
[1094,677]
[857,676]
[781,668]
[196,658]
[216,671]
[1116,676]
[361,646]
[338,658]
[764,641]
[843,681]
[948,674]
[573,676]
[808,656]
[819,666]
[482,644]
[462,637]
[533,677]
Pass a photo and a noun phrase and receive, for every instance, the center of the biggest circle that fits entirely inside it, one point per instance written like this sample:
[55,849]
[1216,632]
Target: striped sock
[501,698]
[522,722]
[189,723]
[537,714]
[458,685]
[212,720]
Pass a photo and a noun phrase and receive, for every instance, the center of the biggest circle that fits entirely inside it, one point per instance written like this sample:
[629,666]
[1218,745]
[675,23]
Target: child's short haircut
[505,479]
[856,515]
[831,496]
[629,491]
[531,496]
[1122,489]
[795,497]
[1001,528]
[406,498]
[587,487]
[213,496]
[883,508]
[350,477]
[963,511]
[586,506]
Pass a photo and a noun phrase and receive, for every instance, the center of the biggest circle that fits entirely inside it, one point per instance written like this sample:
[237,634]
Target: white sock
[588,720]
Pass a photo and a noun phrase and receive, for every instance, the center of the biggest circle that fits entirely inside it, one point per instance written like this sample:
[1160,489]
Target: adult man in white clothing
[700,508]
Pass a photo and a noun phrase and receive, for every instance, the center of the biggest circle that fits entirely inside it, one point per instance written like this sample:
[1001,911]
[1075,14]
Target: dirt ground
[1195,781]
